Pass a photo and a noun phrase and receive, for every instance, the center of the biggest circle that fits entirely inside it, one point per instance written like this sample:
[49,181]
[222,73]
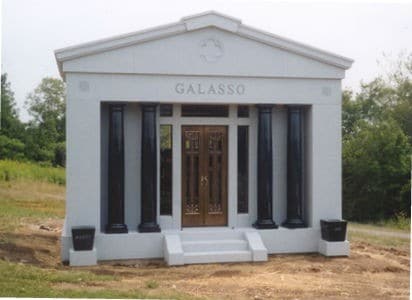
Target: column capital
[149,106]
[295,108]
[265,108]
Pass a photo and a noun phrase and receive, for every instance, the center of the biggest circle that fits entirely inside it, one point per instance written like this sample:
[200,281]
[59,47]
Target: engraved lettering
[240,89]
[221,89]
[179,88]
[199,89]
[231,91]
[190,90]
[211,90]
[195,88]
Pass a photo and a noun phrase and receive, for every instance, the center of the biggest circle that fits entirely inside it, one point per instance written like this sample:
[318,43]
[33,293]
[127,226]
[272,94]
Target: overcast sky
[33,29]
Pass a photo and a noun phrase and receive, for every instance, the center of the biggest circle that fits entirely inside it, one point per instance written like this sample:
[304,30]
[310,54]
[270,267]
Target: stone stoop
[213,246]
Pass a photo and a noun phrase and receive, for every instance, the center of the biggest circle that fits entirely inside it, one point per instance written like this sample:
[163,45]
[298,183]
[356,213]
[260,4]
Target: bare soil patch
[371,272]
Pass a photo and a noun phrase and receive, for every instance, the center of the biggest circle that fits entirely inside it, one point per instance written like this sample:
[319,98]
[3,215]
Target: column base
[148,227]
[265,224]
[294,223]
[116,228]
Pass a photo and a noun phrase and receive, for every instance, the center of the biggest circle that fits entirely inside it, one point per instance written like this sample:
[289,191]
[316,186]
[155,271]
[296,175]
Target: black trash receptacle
[83,238]
[333,230]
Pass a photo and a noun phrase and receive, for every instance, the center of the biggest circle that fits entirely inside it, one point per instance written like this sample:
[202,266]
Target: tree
[376,130]
[46,132]
[11,148]
[376,168]
[9,120]
[46,104]
[11,129]
[401,79]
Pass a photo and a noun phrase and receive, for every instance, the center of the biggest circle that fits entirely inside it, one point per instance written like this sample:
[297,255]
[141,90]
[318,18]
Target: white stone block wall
[87,148]
[326,163]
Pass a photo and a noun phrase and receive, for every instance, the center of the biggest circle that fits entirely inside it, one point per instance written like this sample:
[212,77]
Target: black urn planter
[333,230]
[83,238]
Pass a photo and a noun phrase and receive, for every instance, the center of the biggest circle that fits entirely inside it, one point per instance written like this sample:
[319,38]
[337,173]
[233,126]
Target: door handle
[203,180]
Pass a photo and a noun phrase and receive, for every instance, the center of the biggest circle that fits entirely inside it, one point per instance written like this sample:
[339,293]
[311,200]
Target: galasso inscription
[210,89]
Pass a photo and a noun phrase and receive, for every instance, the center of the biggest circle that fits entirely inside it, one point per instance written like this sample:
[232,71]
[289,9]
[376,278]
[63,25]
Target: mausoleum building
[204,140]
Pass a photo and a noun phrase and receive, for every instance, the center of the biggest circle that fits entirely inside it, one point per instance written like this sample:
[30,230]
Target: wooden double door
[204,176]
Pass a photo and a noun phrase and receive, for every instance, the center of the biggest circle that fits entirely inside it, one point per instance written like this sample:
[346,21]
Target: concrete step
[216,257]
[215,245]
[203,235]
[200,246]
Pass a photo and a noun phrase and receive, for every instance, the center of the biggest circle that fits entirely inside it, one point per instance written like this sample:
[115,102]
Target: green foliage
[375,171]
[10,124]
[152,284]
[15,170]
[376,128]
[47,102]
[46,132]
[399,221]
[41,139]
[11,148]
[11,129]
[59,154]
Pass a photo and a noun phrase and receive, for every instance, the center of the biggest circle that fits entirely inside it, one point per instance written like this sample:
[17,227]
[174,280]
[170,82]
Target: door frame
[174,221]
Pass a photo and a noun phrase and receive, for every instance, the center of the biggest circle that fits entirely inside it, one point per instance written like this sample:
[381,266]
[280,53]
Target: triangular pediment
[205,44]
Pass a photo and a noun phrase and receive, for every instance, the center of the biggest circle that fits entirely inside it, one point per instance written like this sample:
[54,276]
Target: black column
[149,170]
[116,171]
[264,157]
[295,176]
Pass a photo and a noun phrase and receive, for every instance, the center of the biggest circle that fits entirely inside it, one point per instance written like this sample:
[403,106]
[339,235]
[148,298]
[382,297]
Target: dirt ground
[371,272]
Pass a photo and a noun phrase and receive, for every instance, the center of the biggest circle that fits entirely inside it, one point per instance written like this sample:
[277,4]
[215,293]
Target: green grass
[399,222]
[21,280]
[18,280]
[23,202]
[379,240]
[152,284]
[14,170]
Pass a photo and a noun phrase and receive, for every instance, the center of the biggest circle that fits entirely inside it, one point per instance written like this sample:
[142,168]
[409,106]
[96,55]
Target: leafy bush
[400,221]
[376,171]
[11,148]
[60,154]
[377,147]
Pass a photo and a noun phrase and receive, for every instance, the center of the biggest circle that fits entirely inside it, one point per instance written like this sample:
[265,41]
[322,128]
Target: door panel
[191,149]
[204,175]
[216,169]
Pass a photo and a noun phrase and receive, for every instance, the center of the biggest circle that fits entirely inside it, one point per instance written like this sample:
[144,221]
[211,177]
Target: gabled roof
[195,22]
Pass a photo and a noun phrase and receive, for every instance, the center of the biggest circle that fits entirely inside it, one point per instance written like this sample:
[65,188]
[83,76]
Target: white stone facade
[203,59]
